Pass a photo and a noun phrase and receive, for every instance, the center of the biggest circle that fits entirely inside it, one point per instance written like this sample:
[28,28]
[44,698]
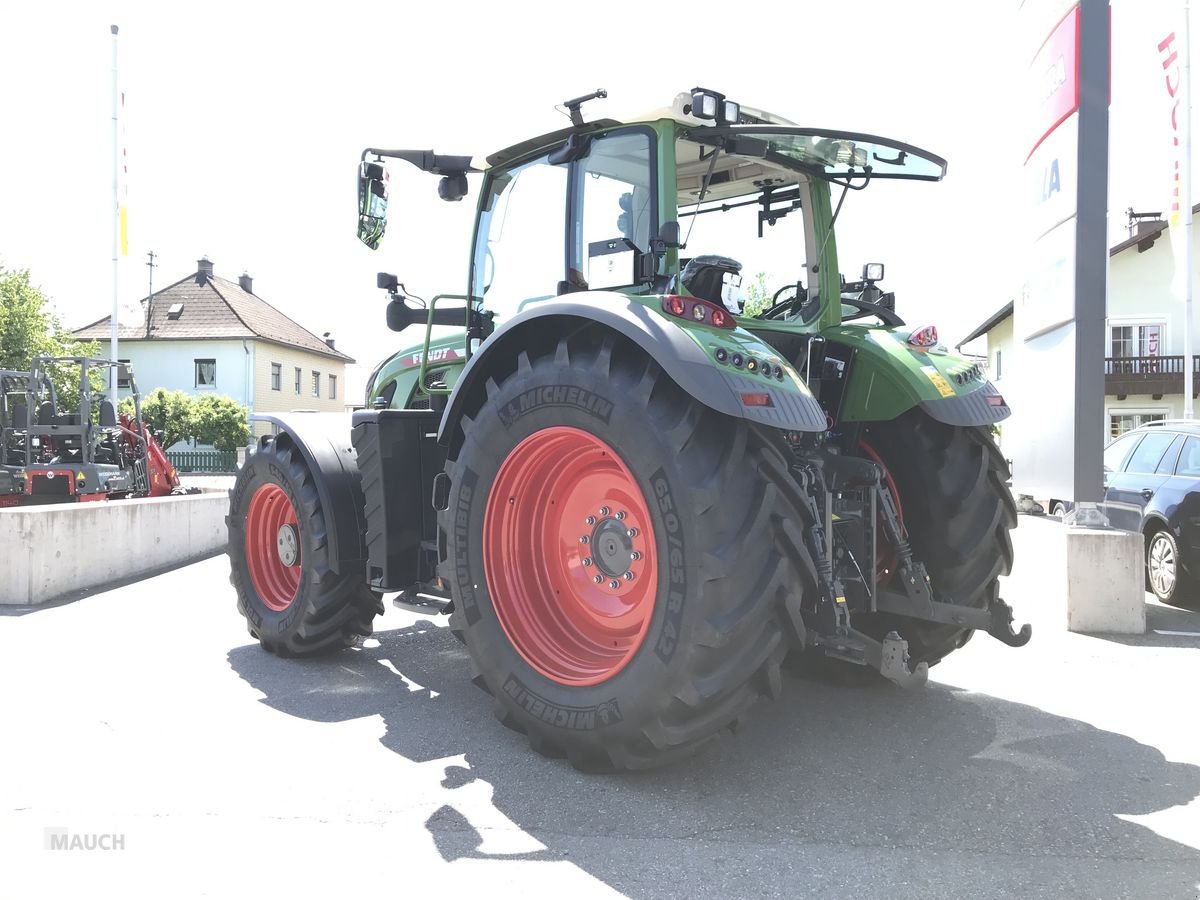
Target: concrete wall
[54,551]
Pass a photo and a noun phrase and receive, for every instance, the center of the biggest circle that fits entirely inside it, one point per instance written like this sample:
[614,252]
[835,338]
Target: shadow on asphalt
[925,774]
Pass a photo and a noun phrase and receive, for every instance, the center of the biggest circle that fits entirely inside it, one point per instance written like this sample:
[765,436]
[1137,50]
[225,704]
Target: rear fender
[890,376]
[685,352]
[323,441]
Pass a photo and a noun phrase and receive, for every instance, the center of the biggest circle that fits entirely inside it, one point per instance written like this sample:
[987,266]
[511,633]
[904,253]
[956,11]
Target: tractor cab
[644,207]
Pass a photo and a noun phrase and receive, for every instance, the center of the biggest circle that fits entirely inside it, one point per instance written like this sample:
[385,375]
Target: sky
[243,126]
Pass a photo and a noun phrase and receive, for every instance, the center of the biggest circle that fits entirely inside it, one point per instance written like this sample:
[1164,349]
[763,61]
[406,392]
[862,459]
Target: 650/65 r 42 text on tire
[293,602]
[620,557]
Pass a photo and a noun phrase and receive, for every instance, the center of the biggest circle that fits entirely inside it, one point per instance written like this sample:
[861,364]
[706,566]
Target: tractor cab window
[616,211]
[519,251]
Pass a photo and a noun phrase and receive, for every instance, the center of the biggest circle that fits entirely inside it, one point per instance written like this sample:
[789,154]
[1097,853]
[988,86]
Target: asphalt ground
[1068,768]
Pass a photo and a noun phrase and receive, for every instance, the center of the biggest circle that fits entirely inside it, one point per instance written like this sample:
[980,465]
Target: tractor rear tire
[620,670]
[958,512]
[293,601]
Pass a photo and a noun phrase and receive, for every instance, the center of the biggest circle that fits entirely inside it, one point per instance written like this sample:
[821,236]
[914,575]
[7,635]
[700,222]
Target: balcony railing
[1147,374]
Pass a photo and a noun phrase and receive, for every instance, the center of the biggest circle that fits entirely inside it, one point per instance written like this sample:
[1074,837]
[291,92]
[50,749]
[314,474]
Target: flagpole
[116,213]
[1186,209]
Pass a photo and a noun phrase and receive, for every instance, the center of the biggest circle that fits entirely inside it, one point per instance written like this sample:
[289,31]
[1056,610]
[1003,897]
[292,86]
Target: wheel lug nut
[591,520]
[636,555]
[604,510]
[587,560]
[583,539]
[614,584]
[629,576]
[632,532]
[598,579]
[621,514]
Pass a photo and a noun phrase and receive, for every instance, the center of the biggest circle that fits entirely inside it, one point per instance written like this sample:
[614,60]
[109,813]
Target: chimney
[328,340]
[204,270]
[246,282]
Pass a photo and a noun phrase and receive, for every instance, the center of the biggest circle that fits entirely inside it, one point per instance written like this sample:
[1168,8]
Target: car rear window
[1167,464]
[1189,459]
[1149,453]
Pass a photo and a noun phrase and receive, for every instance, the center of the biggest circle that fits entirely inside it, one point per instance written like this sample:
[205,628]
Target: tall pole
[116,214]
[1186,209]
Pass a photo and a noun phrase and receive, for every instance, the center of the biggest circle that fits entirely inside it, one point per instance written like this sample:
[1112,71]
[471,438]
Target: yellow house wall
[286,399]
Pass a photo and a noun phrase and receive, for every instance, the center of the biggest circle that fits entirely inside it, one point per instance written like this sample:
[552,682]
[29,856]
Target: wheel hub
[612,548]
[288,545]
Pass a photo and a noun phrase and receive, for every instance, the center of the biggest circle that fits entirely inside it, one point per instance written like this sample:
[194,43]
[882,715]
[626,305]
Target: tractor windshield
[831,154]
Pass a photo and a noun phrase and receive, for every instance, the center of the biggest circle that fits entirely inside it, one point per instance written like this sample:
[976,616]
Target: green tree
[220,421]
[29,328]
[758,296]
[171,412]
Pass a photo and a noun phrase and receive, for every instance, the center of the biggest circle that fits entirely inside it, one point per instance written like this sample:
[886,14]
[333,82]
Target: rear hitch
[1000,626]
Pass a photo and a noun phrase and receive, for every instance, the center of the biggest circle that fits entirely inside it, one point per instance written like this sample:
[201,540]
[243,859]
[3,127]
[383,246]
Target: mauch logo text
[62,839]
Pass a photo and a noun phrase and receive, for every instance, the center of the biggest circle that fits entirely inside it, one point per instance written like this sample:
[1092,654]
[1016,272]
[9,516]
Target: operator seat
[108,414]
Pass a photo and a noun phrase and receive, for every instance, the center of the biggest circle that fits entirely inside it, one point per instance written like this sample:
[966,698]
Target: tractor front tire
[292,600]
[957,511]
[622,558]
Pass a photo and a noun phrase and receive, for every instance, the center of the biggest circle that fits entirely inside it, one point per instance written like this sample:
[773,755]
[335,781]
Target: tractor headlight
[712,105]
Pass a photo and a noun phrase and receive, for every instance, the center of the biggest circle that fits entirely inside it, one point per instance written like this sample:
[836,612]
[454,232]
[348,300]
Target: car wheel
[1164,572]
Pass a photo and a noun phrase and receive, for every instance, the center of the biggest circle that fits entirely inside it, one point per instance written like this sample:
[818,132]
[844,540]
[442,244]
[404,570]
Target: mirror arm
[427,160]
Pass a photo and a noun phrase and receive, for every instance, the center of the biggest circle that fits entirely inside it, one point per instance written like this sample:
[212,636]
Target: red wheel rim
[271,555]
[886,559]
[569,556]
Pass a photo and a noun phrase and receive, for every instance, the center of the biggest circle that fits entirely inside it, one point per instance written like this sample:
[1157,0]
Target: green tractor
[633,499]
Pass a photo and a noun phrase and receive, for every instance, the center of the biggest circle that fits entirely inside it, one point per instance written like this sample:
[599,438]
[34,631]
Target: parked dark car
[1152,485]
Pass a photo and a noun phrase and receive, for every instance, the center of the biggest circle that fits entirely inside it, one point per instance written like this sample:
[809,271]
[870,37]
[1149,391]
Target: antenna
[150,263]
[573,105]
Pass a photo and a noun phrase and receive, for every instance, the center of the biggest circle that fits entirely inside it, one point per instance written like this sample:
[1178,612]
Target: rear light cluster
[751,364]
[702,312]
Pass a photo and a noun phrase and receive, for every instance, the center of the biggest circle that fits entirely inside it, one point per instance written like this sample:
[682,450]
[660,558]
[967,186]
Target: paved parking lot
[1070,768]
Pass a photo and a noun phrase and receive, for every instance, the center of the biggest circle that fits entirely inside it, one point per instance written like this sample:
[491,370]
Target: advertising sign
[1058,316]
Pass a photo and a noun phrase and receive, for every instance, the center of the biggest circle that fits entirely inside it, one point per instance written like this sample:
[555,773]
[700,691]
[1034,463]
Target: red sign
[1054,79]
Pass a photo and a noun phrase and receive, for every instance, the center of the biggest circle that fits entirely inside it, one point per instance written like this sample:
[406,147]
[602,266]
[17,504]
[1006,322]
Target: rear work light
[702,312]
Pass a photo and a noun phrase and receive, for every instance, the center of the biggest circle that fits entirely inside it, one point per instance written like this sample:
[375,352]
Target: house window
[999,366]
[123,374]
[1135,349]
[298,373]
[206,372]
[276,377]
[332,387]
[316,384]
[1123,421]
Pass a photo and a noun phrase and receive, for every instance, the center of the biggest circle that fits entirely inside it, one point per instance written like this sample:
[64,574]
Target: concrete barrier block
[52,552]
[1105,582]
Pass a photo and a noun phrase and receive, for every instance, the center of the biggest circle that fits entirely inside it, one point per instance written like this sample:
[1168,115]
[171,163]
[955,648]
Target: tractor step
[426,600]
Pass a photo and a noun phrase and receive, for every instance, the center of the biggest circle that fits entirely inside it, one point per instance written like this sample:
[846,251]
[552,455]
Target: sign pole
[116,213]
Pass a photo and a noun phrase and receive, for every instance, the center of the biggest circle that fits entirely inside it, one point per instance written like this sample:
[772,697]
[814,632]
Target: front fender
[684,351]
[323,441]
[890,376]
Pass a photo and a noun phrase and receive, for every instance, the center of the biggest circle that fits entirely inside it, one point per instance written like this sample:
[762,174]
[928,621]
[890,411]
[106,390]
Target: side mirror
[372,202]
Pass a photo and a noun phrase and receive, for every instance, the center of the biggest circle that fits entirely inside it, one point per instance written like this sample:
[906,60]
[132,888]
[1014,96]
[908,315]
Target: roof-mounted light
[713,106]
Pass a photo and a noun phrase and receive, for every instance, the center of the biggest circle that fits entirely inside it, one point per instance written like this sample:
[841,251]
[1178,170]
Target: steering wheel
[867,308]
[777,306]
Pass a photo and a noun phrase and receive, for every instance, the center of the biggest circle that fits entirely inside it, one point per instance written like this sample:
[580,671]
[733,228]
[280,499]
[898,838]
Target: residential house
[1143,345]
[207,334]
